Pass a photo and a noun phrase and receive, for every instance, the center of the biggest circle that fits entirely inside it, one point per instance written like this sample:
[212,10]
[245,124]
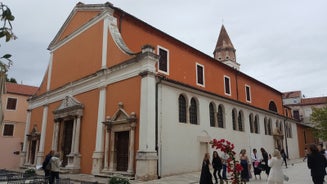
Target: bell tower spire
[225,51]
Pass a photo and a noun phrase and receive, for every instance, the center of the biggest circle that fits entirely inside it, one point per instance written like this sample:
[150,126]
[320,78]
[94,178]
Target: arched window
[251,123]
[269,127]
[272,106]
[212,114]
[234,115]
[182,109]
[281,127]
[220,116]
[193,112]
[266,126]
[256,124]
[240,121]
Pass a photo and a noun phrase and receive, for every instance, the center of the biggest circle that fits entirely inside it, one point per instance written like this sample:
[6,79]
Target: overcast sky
[282,43]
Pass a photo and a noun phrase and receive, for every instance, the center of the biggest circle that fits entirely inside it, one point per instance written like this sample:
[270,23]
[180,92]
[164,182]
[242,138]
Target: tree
[6,32]
[319,119]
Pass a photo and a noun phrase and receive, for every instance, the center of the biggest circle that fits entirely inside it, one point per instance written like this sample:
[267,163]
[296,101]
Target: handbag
[48,166]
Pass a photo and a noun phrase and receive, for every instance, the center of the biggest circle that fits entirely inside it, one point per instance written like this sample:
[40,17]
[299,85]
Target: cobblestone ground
[297,171]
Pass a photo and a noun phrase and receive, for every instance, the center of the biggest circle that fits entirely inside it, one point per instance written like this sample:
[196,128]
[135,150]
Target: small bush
[29,172]
[118,180]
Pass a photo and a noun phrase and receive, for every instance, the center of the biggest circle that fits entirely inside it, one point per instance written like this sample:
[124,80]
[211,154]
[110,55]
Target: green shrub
[118,180]
[29,172]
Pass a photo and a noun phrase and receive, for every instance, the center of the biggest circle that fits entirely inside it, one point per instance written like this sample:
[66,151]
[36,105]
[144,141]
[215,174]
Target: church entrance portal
[122,139]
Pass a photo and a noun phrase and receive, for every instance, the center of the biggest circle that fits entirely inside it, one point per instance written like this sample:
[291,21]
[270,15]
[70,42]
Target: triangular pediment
[69,107]
[121,116]
[80,16]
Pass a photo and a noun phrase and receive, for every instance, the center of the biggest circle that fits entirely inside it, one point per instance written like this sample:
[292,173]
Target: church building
[120,96]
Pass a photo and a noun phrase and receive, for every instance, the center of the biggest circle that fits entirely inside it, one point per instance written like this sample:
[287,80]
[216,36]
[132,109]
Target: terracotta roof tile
[316,100]
[20,89]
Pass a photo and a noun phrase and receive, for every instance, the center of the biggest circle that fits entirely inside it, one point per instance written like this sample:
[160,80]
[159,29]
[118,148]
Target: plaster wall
[182,145]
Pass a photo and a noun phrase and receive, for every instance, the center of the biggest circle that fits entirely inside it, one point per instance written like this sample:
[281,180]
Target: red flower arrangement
[233,166]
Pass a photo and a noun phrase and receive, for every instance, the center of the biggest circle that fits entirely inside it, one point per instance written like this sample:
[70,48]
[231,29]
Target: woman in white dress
[276,175]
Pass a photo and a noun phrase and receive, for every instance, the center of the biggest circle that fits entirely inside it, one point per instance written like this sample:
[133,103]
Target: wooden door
[122,144]
[67,140]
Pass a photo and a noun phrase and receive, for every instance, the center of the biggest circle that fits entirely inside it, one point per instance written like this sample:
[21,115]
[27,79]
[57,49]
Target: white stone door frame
[120,122]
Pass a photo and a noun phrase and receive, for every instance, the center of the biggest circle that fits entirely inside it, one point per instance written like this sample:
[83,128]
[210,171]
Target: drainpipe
[286,146]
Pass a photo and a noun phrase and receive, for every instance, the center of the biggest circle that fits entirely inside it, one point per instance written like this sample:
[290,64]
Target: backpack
[48,166]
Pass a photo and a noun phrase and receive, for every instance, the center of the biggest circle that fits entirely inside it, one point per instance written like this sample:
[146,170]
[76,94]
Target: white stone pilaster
[106,154]
[55,136]
[99,143]
[27,128]
[112,151]
[49,71]
[77,135]
[147,113]
[40,154]
[131,149]
[73,138]
[105,42]
[146,158]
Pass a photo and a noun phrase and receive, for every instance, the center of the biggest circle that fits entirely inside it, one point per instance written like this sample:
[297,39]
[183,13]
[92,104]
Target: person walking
[244,160]
[284,156]
[55,167]
[317,164]
[206,177]
[46,165]
[264,161]
[276,175]
[217,166]
[255,163]
[224,159]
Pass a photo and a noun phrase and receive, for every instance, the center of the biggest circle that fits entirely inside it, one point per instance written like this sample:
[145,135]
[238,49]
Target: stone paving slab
[297,171]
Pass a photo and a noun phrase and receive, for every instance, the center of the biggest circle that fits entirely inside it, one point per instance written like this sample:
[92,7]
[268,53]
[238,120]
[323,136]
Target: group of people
[270,164]
[51,166]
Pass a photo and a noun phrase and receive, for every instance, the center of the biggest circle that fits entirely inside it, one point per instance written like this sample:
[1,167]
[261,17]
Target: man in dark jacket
[46,163]
[317,163]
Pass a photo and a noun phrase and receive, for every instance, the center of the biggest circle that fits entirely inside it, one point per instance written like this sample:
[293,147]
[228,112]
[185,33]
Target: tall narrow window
[8,130]
[269,127]
[220,117]
[256,124]
[163,60]
[199,74]
[281,127]
[234,116]
[248,93]
[193,112]
[227,85]
[182,108]
[212,114]
[11,103]
[251,123]
[266,126]
[240,121]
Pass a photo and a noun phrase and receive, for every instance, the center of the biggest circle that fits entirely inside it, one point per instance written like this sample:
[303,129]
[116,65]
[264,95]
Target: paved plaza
[297,171]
